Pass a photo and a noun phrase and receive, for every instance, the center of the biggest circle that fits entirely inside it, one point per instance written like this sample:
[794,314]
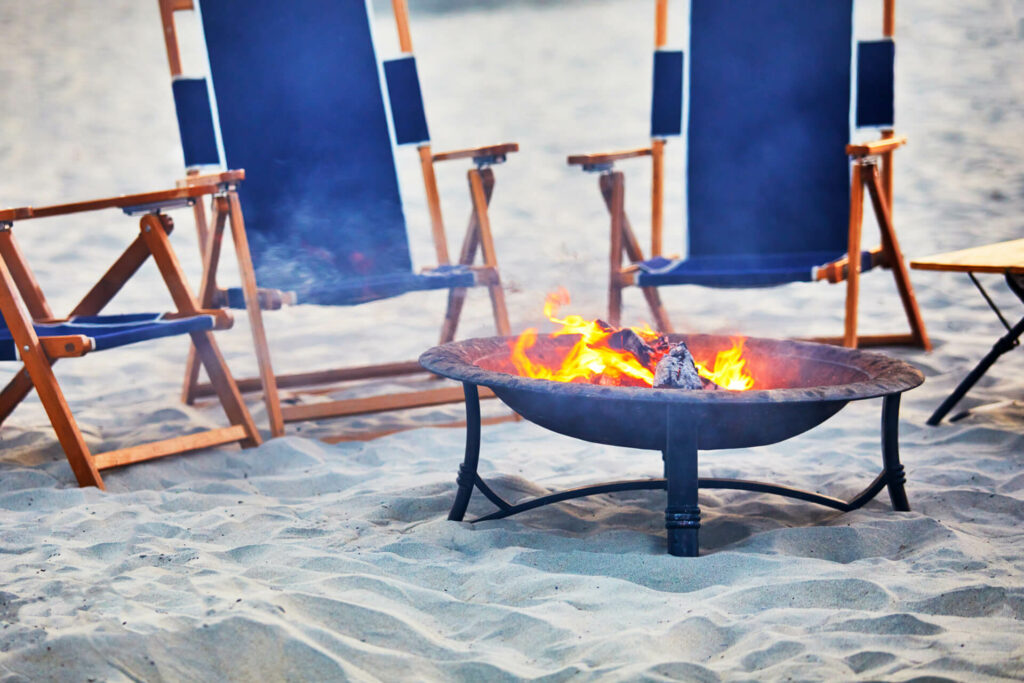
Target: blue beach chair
[295,96]
[30,332]
[772,197]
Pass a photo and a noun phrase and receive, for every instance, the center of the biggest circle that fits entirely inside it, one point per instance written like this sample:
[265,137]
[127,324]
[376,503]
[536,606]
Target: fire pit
[798,385]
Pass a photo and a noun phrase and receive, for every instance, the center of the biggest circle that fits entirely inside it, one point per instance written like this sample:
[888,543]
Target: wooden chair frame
[872,170]
[478,240]
[22,303]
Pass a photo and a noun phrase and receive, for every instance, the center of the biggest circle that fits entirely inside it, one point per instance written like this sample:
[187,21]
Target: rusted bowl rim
[886,375]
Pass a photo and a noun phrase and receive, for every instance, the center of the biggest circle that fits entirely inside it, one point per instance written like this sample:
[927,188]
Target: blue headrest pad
[195,122]
[768,126]
[406,101]
[875,82]
[301,108]
[667,94]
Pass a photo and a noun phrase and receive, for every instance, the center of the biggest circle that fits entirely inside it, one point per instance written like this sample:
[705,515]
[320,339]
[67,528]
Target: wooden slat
[657,194]
[864,149]
[476,152]
[894,256]
[868,340]
[835,271]
[467,255]
[167,8]
[434,205]
[119,202]
[480,201]
[1001,257]
[606,157]
[617,210]
[853,256]
[660,23]
[376,404]
[889,18]
[153,232]
[334,376]
[252,304]
[401,11]
[66,346]
[179,444]
[223,178]
[627,275]
[368,435]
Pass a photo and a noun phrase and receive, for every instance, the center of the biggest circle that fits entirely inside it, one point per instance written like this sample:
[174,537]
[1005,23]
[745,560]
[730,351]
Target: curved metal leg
[894,474]
[682,514]
[467,470]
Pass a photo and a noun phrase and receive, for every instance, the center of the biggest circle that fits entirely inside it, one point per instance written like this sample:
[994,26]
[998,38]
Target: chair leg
[210,239]
[252,304]
[853,256]
[467,255]
[658,311]
[894,255]
[617,209]
[480,203]
[154,232]
[37,366]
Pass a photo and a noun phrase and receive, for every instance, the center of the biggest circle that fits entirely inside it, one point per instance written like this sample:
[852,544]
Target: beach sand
[305,561]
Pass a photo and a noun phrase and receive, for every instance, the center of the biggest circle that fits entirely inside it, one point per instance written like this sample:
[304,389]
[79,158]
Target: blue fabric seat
[111,331]
[738,270]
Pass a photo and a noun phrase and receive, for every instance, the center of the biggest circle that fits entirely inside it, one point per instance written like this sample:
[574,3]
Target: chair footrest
[377,404]
[320,377]
[369,435]
[180,444]
[868,340]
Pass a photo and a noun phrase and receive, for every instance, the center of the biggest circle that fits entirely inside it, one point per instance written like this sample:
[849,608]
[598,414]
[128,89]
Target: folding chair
[29,331]
[771,195]
[295,97]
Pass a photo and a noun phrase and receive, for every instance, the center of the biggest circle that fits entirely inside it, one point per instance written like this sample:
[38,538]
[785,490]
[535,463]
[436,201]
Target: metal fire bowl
[798,385]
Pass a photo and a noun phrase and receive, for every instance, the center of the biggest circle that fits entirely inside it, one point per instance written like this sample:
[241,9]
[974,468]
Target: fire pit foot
[894,473]
[682,514]
[467,470]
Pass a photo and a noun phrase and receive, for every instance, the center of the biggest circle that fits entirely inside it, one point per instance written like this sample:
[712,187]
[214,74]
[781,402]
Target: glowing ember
[593,360]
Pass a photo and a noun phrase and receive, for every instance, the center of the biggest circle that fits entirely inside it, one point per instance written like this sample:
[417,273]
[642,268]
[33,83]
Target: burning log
[631,342]
[676,370]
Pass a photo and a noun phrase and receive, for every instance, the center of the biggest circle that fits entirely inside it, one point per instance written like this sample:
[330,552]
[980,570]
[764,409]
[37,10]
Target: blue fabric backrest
[301,108]
[875,82]
[667,94]
[768,125]
[195,122]
[406,100]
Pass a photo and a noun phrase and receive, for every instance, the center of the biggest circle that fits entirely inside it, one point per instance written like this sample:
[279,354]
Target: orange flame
[591,359]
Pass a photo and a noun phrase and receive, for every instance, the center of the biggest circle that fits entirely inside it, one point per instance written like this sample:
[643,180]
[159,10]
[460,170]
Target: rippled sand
[302,561]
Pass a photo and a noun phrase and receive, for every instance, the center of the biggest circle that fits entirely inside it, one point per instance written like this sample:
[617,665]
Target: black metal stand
[682,513]
[1004,344]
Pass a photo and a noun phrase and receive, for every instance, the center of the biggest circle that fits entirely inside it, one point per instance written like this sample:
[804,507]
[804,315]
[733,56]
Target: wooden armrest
[127,201]
[493,151]
[234,176]
[865,149]
[606,158]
